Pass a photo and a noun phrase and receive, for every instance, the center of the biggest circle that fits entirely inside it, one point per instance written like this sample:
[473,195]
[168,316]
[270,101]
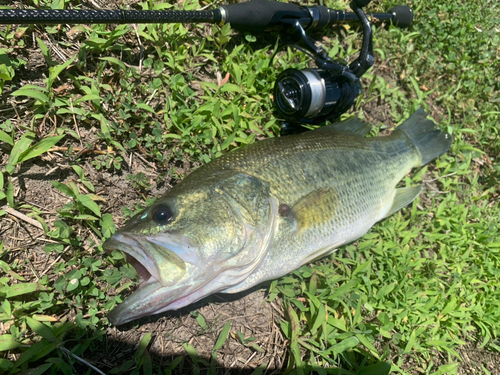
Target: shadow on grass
[174,343]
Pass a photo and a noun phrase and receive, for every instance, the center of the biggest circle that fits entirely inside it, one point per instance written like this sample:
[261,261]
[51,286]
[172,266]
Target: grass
[413,296]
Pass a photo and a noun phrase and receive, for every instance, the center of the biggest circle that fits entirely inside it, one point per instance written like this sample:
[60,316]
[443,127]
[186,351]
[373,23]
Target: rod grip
[259,15]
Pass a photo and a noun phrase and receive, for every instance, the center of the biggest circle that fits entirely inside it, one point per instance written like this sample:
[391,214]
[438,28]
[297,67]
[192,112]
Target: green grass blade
[381,368]
[222,336]
[55,71]
[87,201]
[63,188]
[22,288]
[7,343]
[146,339]
[344,345]
[4,137]
[41,147]
[20,146]
[31,93]
[42,329]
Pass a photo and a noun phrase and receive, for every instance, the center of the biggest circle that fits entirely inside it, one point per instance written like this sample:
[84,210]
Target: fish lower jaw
[127,312]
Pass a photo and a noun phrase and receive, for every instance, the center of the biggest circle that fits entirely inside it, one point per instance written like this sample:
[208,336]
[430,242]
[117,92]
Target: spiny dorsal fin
[352,125]
[403,197]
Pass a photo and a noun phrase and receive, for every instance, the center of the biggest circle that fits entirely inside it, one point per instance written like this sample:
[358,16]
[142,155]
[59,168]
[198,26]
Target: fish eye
[162,214]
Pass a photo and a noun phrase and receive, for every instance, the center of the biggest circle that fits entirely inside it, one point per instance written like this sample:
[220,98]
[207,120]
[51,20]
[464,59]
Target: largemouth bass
[262,211]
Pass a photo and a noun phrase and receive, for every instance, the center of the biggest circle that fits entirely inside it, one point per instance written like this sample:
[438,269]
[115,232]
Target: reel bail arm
[312,96]
[365,59]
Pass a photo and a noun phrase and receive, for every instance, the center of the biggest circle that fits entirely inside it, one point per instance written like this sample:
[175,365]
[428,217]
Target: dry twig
[23,217]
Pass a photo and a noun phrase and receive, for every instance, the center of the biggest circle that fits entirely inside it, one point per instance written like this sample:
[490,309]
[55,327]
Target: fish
[263,210]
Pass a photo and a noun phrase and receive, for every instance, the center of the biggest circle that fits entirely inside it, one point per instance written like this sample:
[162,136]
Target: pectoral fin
[403,197]
[315,208]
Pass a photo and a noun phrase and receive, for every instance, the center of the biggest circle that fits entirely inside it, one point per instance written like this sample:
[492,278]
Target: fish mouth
[144,274]
[135,255]
[150,259]
[174,272]
[158,269]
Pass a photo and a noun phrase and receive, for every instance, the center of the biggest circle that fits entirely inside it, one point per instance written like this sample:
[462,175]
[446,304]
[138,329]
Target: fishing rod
[307,96]
[252,16]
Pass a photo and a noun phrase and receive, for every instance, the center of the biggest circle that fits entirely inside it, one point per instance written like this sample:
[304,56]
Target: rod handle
[259,15]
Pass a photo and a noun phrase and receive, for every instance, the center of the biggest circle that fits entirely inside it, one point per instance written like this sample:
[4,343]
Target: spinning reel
[309,96]
[313,96]
[317,95]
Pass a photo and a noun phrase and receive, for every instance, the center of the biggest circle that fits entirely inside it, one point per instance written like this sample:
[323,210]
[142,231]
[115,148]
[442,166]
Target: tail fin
[429,141]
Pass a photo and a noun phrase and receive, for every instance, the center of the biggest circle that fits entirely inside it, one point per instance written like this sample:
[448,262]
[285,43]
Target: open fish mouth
[134,255]
[144,275]
[152,262]
[166,281]
[159,270]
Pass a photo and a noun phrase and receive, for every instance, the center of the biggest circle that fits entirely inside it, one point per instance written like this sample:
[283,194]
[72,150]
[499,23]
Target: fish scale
[263,210]
[361,199]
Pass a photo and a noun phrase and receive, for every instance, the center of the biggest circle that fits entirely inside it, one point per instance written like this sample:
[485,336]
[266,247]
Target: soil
[250,313]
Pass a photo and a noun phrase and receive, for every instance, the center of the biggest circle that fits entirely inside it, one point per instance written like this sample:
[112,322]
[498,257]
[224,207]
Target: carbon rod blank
[59,16]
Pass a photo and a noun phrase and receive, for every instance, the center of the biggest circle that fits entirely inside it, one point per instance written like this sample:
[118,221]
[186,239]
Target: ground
[250,313]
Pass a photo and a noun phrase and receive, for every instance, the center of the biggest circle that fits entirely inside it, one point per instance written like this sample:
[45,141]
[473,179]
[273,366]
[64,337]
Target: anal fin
[403,197]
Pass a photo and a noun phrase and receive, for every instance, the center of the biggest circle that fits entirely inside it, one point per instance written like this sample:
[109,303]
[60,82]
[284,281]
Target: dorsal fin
[353,125]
